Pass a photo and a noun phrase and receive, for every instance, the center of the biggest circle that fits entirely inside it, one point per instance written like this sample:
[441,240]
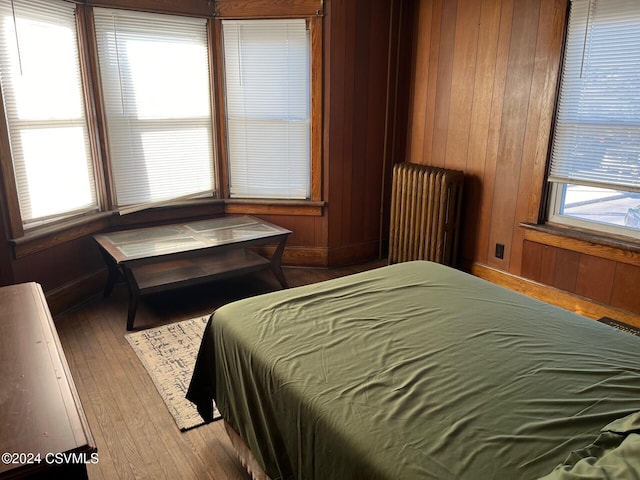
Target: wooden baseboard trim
[554,296]
[297,256]
[74,293]
[324,257]
[353,254]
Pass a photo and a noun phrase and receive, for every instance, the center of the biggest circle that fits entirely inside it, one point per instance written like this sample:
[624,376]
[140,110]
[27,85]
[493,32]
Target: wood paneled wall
[482,101]
[603,280]
[360,64]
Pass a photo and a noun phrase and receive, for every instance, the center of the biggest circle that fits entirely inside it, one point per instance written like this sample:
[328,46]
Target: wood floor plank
[135,409]
[80,370]
[123,447]
[81,361]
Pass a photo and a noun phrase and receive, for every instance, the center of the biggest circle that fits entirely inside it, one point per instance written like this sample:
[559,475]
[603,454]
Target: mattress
[416,370]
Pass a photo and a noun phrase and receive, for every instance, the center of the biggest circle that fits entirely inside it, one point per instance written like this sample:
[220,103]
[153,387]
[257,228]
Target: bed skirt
[246,457]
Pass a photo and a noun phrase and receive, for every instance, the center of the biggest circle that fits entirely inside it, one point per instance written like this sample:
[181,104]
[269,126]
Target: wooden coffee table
[155,259]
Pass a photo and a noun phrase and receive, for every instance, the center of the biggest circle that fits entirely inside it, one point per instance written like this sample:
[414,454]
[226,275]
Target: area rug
[169,354]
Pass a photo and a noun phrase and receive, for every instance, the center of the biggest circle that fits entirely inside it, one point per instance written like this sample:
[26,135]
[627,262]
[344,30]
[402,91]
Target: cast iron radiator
[425,213]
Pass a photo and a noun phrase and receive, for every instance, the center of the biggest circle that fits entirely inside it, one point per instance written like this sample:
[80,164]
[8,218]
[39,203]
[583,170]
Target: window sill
[41,238]
[584,241]
[45,237]
[274,207]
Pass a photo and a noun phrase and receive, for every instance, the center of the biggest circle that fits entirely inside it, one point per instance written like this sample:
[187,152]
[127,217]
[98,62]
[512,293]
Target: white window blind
[597,133]
[44,104]
[155,79]
[267,64]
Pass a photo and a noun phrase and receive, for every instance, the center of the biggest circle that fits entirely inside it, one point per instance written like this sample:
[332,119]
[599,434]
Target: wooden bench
[44,431]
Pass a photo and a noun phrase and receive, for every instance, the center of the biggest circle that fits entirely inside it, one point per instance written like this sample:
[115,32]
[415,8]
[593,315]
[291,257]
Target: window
[113,109]
[156,89]
[267,72]
[46,120]
[595,155]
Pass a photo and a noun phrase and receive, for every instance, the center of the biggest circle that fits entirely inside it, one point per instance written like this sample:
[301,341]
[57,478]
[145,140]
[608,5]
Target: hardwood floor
[135,433]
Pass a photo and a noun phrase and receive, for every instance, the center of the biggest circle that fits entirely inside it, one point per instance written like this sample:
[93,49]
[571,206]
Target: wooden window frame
[74,227]
[7,178]
[551,209]
[315,33]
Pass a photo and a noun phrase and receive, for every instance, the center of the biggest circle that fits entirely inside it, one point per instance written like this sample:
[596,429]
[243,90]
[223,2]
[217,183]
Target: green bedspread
[414,370]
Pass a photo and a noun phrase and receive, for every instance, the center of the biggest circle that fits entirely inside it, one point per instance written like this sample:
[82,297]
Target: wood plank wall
[359,114]
[606,281]
[482,99]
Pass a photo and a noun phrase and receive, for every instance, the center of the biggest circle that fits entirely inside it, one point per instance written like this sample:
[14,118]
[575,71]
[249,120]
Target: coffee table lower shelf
[175,273]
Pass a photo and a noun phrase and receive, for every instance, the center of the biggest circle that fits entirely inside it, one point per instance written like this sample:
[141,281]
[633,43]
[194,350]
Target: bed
[417,370]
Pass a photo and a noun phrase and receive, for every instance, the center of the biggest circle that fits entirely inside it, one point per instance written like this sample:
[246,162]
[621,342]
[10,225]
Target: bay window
[117,110]
[595,155]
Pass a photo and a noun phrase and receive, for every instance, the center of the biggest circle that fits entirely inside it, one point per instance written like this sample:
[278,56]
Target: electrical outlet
[499,250]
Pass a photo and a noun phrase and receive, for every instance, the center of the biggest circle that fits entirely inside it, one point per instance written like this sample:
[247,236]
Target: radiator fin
[426,203]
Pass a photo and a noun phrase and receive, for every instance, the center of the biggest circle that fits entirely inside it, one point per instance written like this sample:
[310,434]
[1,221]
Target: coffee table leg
[276,263]
[112,271]
[134,295]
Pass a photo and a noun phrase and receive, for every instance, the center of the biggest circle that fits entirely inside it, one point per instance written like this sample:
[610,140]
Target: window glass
[595,159]
[156,88]
[44,104]
[267,65]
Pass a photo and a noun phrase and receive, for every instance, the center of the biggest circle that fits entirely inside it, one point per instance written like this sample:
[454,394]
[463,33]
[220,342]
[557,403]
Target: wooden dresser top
[40,411]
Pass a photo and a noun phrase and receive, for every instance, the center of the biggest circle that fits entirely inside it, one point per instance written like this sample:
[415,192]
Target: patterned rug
[169,355]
